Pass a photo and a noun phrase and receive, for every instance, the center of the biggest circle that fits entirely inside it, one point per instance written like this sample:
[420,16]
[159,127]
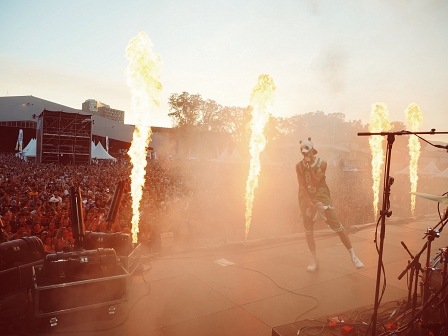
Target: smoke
[332,68]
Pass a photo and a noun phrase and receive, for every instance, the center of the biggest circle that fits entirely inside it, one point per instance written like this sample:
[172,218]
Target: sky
[323,55]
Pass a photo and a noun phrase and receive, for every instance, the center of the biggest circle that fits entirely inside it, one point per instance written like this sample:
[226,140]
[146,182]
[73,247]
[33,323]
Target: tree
[184,113]
[197,122]
[397,126]
[204,125]
[209,117]
[272,130]
[184,109]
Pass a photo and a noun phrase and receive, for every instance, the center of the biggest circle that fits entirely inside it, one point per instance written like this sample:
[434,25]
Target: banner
[19,142]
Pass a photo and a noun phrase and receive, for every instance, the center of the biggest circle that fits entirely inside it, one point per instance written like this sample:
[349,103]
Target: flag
[19,143]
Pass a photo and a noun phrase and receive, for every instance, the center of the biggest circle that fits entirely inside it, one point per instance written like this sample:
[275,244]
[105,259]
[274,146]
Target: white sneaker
[313,266]
[358,264]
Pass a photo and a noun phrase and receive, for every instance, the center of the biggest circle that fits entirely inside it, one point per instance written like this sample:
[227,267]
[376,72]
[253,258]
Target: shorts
[332,221]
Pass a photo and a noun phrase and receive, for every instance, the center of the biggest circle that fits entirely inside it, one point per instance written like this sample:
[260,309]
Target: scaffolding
[64,137]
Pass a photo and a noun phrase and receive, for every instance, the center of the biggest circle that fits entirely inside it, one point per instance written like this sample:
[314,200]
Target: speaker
[16,260]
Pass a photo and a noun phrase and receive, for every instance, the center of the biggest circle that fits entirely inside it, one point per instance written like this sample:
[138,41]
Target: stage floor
[257,287]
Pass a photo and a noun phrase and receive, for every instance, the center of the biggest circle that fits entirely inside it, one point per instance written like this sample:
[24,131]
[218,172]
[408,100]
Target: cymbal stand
[424,308]
[415,268]
[442,314]
[431,234]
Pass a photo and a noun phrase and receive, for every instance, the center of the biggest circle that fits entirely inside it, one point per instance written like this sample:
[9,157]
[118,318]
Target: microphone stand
[385,208]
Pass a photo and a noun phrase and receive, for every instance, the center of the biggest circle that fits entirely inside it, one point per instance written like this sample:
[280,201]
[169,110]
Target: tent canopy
[235,157]
[100,153]
[443,174]
[30,150]
[430,169]
[29,145]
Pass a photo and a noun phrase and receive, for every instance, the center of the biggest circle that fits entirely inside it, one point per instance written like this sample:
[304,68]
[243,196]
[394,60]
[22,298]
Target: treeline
[204,127]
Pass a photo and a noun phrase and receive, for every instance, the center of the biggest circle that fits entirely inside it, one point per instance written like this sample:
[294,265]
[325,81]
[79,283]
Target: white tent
[19,154]
[29,145]
[234,157]
[224,155]
[28,151]
[404,171]
[443,174]
[430,169]
[100,153]
[31,150]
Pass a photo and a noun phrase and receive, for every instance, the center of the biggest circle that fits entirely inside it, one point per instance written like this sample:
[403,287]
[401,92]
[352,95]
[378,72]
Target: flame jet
[143,78]
[262,98]
[379,122]
[414,119]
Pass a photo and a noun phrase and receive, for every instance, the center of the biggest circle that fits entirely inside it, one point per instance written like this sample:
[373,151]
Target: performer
[315,202]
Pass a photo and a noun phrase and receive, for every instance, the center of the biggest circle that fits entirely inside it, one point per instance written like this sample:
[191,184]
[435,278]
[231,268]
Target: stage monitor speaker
[16,260]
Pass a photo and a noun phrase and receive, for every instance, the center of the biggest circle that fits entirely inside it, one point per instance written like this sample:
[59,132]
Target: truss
[64,137]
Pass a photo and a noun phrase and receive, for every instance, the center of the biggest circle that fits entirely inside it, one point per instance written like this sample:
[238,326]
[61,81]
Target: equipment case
[55,299]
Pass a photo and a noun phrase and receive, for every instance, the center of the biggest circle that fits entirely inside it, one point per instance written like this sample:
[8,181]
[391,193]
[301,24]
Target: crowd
[194,200]
[34,198]
[352,196]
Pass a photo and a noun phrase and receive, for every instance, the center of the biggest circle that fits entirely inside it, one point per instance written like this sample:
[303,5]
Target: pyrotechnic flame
[379,122]
[414,118]
[262,98]
[143,78]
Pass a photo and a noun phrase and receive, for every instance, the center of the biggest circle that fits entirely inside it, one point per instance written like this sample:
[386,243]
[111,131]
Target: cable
[327,326]
[322,328]
[152,257]
[249,269]
[147,260]
[285,289]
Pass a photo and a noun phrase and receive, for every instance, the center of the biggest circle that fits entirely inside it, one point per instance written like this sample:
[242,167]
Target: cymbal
[437,198]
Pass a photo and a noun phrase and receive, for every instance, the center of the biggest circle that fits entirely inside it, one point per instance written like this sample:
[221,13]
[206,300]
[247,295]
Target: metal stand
[385,208]
[415,268]
[384,212]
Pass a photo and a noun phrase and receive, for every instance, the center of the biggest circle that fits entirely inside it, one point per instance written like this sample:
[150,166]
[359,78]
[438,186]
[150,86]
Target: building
[22,112]
[98,108]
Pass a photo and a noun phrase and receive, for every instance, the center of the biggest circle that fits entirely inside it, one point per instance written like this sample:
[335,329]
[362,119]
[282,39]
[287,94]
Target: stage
[257,288]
